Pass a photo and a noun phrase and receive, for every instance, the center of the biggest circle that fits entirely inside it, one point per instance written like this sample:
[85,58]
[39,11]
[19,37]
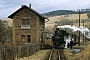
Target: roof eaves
[11,16]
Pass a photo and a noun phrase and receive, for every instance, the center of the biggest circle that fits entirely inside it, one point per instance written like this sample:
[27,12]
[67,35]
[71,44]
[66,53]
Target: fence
[17,52]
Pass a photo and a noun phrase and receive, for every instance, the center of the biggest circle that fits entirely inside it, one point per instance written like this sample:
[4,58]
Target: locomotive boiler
[58,38]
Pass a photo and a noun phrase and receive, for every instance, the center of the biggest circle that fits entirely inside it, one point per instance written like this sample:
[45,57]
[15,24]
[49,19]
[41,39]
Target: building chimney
[30,5]
[22,5]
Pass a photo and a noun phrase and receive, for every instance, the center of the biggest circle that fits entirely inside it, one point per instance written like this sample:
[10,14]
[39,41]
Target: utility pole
[79,31]
[83,32]
[85,37]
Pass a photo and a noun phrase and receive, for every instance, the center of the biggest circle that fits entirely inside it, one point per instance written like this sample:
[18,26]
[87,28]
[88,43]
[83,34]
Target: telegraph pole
[79,31]
[83,32]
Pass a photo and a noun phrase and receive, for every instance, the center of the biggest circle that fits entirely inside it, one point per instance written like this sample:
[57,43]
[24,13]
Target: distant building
[28,26]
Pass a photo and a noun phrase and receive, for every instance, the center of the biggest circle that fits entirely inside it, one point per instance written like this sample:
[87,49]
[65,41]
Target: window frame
[25,23]
[22,38]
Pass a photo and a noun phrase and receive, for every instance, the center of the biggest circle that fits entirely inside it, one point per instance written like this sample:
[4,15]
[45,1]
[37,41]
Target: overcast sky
[7,7]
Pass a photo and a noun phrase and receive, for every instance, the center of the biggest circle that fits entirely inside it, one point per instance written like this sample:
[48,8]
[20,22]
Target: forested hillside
[64,12]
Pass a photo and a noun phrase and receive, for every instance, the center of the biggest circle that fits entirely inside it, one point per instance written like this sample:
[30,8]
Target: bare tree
[2,33]
[5,33]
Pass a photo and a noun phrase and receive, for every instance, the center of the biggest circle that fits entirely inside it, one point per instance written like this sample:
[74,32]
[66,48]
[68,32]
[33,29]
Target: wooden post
[79,31]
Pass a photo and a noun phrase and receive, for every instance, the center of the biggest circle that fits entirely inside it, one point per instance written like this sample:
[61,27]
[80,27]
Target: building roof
[11,16]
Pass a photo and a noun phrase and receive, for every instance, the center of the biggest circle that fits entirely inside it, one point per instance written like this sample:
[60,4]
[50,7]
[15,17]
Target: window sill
[25,43]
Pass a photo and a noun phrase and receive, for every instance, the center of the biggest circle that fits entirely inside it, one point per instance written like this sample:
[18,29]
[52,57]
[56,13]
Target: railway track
[56,54]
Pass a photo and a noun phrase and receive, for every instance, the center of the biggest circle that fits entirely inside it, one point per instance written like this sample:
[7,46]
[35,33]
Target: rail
[55,55]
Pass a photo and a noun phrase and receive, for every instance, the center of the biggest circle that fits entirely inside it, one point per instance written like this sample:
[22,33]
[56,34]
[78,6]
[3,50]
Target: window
[29,38]
[22,38]
[25,23]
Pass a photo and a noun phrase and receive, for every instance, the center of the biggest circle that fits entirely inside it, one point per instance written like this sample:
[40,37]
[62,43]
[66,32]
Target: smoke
[82,29]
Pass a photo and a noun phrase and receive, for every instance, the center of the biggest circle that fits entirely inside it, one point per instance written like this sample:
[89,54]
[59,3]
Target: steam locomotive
[58,38]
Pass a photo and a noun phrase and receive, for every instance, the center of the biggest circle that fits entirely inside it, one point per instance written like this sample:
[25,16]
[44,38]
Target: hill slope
[62,12]
[53,20]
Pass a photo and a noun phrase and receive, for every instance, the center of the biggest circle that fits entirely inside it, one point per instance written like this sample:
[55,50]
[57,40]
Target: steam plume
[82,29]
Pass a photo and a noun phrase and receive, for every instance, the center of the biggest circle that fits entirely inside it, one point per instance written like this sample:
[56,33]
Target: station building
[28,26]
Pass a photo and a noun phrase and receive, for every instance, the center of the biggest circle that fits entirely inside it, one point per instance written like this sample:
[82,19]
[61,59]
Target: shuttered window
[22,38]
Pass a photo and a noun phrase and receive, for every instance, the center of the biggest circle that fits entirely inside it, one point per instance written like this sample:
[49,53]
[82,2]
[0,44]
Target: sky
[7,7]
